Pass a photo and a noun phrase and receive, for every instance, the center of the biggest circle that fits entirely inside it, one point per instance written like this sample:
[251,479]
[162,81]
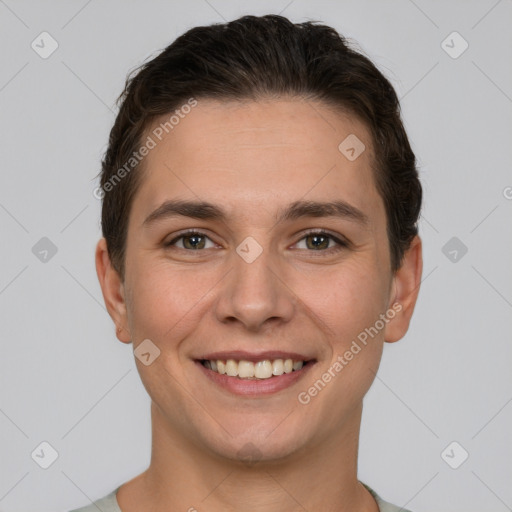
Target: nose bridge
[252,293]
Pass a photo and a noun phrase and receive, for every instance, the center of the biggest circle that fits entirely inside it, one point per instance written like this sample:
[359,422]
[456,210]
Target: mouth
[243,369]
[254,375]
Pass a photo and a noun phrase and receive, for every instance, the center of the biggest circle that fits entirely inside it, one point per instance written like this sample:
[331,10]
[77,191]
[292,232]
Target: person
[260,201]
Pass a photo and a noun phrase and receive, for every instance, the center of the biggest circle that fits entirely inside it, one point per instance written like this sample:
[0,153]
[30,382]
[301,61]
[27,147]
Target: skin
[253,158]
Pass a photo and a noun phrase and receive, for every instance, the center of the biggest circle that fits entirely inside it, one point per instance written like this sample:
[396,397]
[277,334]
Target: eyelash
[341,243]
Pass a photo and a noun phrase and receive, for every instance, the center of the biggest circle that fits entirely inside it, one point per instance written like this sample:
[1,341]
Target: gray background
[66,380]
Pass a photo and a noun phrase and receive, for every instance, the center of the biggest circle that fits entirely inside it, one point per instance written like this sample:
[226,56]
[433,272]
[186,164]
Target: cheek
[166,300]
[349,303]
[346,298]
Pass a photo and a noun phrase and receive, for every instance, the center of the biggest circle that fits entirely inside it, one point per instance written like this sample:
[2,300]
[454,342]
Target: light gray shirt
[109,504]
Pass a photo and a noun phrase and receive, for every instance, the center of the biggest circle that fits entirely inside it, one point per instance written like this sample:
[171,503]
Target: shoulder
[106,504]
[384,506]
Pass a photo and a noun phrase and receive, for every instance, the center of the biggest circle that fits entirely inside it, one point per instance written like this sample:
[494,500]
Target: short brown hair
[257,57]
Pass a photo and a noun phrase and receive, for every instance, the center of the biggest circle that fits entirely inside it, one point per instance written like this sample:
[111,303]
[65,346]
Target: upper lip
[239,355]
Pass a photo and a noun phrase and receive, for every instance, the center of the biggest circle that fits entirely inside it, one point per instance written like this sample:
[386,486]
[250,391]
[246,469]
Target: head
[262,119]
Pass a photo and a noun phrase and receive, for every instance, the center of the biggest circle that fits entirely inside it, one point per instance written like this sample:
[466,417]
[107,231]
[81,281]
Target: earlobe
[406,285]
[112,289]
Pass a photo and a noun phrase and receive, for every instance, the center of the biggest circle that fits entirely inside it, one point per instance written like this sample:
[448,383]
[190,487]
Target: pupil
[316,238]
[193,239]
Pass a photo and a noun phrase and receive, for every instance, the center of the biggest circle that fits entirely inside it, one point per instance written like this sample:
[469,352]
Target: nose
[255,294]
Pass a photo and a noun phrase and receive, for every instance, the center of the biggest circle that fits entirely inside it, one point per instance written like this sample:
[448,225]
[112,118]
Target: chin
[257,446]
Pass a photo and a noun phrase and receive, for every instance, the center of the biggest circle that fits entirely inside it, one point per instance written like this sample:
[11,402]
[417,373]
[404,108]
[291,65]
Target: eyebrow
[296,210]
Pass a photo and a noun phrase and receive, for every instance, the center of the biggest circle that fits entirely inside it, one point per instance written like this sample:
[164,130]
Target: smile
[251,375]
[243,369]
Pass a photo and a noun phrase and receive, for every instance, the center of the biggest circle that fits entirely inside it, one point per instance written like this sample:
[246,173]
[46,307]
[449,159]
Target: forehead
[256,154]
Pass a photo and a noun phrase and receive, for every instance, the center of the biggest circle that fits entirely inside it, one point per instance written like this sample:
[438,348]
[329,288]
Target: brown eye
[193,240]
[317,241]
[321,241]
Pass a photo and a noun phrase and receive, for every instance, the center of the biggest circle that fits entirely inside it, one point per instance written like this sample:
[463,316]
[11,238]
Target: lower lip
[255,387]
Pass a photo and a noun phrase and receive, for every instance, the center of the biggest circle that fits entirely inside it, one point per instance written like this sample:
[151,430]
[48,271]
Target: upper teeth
[247,369]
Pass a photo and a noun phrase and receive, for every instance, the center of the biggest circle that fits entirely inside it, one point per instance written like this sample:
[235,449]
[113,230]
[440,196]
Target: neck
[183,476]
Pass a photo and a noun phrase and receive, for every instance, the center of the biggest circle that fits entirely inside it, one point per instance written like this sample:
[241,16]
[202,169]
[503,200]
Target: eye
[192,240]
[319,241]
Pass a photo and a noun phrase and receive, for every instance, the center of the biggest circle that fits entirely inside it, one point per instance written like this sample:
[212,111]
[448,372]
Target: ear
[404,291]
[113,291]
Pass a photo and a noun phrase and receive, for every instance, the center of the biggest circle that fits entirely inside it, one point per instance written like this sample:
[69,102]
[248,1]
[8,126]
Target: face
[259,277]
